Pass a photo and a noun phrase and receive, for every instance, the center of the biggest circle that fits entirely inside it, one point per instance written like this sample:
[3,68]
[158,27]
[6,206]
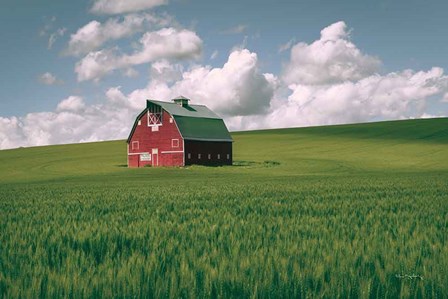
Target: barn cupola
[181,101]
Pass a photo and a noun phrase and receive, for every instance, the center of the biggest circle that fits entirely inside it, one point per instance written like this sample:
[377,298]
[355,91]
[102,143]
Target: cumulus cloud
[48,79]
[331,59]
[94,34]
[391,96]
[238,88]
[112,7]
[72,122]
[166,43]
[72,103]
[348,89]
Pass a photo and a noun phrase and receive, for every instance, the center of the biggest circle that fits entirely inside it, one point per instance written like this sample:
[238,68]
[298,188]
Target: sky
[81,71]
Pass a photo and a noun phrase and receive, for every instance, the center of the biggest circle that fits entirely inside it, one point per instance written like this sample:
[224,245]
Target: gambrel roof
[195,122]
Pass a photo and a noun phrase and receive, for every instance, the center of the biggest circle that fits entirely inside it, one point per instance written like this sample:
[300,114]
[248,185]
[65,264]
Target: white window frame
[219,156]
[174,143]
[135,147]
[199,156]
[154,128]
[189,156]
[155,117]
[209,156]
[228,156]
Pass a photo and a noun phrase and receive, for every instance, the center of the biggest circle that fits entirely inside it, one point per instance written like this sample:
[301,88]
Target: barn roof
[198,111]
[195,122]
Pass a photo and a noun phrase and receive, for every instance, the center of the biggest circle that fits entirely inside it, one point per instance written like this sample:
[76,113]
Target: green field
[342,211]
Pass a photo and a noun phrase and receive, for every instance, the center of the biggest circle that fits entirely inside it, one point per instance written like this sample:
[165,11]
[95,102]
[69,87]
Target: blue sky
[66,65]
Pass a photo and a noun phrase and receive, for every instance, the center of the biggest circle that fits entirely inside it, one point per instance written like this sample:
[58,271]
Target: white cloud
[238,88]
[120,6]
[166,43]
[392,96]
[214,54]
[49,79]
[54,36]
[427,115]
[331,59]
[400,95]
[286,46]
[239,91]
[48,31]
[130,73]
[72,122]
[235,30]
[445,97]
[94,34]
[72,103]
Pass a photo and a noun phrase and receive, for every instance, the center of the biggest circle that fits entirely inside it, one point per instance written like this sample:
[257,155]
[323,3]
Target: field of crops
[344,211]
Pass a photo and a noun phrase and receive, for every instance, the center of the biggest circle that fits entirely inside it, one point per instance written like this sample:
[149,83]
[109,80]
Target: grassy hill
[396,146]
[350,211]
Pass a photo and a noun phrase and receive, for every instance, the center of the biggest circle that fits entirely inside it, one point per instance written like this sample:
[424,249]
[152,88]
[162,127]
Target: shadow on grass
[122,165]
[266,163]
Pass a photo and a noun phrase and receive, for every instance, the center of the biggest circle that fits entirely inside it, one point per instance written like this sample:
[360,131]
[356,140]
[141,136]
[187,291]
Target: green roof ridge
[199,111]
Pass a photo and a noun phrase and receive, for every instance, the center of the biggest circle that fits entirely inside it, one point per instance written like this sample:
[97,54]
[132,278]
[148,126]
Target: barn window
[209,156]
[174,142]
[134,145]
[154,115]
[219,156]
[139,122]
[228,156]
[189,156]
[155,129]
[199,156]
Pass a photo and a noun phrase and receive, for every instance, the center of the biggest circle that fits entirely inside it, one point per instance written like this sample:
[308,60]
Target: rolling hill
[396,146]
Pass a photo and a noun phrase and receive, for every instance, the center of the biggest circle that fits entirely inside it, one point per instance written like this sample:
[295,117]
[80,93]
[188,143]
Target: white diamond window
[155,113]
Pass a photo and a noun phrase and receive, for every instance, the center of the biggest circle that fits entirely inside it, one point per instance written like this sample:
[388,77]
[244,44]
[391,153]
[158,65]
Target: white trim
[161,118]
[155,151]
[183,149]
[171,152]
[128,154]
[131,154]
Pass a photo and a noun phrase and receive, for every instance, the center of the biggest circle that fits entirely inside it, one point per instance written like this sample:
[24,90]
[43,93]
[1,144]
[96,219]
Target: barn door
[155,157]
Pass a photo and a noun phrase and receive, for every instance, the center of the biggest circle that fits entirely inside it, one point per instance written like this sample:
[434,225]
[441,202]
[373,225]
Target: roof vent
[181,101]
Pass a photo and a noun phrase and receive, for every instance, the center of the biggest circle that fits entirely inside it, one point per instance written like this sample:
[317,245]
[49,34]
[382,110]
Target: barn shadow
[266,163]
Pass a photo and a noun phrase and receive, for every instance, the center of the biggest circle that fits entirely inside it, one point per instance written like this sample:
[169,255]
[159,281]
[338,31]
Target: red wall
[160,140]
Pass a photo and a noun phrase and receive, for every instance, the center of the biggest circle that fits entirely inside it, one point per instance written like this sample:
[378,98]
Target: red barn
[178,134]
